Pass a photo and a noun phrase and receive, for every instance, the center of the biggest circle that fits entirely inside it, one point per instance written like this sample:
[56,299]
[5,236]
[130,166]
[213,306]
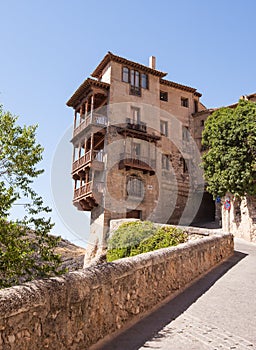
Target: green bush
[127,237]
[163,237]
[132,238]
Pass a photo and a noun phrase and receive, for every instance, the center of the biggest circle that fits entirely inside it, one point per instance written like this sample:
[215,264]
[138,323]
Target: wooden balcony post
[74,153]
[79,151]
[92,106]
[75,120]
[86,107]
[81,113]
[86,177]
[81,181]
[91,146]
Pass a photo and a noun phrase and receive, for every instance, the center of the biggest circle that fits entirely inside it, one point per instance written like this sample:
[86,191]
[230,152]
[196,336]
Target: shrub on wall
[127,237]
[132,238]
[164,237]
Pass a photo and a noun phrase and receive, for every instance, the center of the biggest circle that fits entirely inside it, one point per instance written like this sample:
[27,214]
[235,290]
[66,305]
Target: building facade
[134,150]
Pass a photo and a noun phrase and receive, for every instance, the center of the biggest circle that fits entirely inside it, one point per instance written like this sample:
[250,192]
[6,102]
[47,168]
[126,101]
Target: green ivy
[230,160]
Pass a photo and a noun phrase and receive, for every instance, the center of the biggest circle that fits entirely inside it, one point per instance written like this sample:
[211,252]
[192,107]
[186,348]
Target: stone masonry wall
[240,220]
[80,308]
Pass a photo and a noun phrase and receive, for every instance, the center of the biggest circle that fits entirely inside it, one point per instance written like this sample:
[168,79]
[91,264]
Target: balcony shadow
[147,328]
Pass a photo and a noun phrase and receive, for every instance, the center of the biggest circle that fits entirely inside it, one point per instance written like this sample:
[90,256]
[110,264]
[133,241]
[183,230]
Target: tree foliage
[132,238]
[230,160]
[26,248]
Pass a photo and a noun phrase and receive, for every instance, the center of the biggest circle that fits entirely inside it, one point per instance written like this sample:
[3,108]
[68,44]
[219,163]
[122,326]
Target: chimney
[152,62]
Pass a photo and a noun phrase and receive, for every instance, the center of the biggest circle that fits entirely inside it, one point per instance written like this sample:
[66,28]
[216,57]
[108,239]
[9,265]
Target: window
[144,81]
[135,187]
[184,165]
[76,153]
[136,79]
[135,115]
[185,133]
[136,150]
[202,122]
[184,102]
[163,96]
[164,127]
[195,106]
[125,76]
[165,162]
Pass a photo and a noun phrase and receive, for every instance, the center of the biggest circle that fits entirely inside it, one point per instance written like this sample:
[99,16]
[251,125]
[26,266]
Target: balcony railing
[129,160]
[92,119]
[135,90]
[90,188]
[136,126]
[92,155]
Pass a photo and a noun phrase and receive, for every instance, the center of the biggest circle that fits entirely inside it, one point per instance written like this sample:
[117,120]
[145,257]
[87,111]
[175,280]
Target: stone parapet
[79,309]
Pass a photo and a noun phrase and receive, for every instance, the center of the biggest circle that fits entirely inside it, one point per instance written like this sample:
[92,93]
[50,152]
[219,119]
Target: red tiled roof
[111,57]
[86,85]
[180,86]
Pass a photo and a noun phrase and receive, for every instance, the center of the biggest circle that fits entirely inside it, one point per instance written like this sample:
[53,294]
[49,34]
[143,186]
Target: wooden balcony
[142,127]
[89,195]
[145,164]
[95,119]
[92,158]
[137,130]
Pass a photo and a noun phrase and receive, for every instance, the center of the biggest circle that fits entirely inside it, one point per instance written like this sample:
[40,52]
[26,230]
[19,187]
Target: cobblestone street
[217,312]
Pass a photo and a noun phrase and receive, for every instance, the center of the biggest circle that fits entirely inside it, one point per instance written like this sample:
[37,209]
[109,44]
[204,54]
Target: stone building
[134,150]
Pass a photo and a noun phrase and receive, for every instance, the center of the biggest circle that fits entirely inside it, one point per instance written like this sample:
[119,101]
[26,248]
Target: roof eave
[180,87]
[75,98]
[111,57]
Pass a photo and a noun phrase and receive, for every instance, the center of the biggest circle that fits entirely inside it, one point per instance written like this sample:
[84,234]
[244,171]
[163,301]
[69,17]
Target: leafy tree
[26,248]
[230,160]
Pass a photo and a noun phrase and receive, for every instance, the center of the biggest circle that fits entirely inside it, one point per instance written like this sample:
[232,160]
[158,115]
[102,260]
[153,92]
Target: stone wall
[80,308]
[240,220]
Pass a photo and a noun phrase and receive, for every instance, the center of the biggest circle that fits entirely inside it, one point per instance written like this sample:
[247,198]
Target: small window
[185,133]
[144,81]
[135,115]
[125,76]
[164,127]
[135,78]
[184,164]
[184,102]
[165,162]
[202,122]
[195,106]
[163,96]
[136,150]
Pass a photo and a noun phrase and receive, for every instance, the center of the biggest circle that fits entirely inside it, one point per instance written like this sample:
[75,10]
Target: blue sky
[49,47]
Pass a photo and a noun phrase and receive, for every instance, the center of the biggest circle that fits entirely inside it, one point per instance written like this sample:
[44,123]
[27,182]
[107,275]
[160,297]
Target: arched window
[135,186]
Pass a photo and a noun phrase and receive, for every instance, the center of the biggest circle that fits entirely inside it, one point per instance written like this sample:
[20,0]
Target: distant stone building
[137,143]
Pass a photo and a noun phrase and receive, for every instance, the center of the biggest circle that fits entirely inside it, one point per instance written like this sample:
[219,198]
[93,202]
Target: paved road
[217,312]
